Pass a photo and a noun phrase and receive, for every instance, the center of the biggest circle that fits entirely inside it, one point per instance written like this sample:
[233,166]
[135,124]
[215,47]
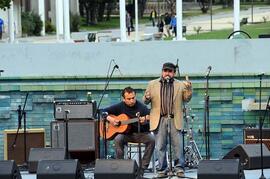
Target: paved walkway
[225,20]
[222,20]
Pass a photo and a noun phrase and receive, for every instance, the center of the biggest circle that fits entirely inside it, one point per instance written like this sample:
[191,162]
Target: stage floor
[89,174]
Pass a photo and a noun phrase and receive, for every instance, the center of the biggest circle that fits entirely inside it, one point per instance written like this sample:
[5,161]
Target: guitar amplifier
[76,109]
[252,136]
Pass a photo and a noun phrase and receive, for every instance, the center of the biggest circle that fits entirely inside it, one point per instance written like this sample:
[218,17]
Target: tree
[5,4]
[204,5]
[171,4]
[130,7]
[90,7]
[94,10]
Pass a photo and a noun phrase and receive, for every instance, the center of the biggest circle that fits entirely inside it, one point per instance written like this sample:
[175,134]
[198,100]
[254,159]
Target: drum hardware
[191,151]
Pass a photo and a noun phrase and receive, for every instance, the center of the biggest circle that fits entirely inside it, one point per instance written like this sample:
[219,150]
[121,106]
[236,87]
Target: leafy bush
[31,23]
[75,21]
[197,29]
[27,23]
[49,27]
[264,18]
[38,24]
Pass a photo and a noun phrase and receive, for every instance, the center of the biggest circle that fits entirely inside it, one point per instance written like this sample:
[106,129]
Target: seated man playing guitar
[120,115]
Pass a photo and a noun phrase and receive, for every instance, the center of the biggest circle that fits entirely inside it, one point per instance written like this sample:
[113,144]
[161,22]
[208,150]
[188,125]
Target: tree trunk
[87,14]
[81,8]
[101,9]
[109,10]
[141,6]
[93,15]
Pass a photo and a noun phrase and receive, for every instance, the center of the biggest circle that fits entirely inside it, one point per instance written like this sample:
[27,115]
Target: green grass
[252,29]
[112,24]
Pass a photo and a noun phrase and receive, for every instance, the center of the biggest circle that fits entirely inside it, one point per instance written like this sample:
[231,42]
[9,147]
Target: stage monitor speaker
[252,136]
[220,169]
[58,169]
[82,135]
[249,155]
[9,170]
[37,154]
[35,138]
[116,169]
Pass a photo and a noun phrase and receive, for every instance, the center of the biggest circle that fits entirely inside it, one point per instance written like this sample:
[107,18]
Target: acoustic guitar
[112,130]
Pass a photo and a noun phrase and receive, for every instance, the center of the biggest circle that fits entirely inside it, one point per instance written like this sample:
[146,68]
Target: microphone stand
[206,119]
[98,111]
[139,144]
[66,133]
[184,110]
[261,140]
[261,124]
[169,128]
[22,114]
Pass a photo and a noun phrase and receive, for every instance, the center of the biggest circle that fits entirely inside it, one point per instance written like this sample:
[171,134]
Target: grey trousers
[162,139]
[146,138]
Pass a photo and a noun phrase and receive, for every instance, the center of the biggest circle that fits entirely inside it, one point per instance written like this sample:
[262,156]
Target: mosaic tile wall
[227,120]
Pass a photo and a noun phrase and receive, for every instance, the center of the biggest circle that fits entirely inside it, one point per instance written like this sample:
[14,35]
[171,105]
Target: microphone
[1,71]
[260,74]
[67,111]
[117,67]
[209,68]
[167,78]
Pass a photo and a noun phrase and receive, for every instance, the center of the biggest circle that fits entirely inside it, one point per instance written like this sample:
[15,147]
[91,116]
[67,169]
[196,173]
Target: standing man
[166,96]
[167,20]
[173,24]
[128,23]
[1,28]
[131,107]
[153,16]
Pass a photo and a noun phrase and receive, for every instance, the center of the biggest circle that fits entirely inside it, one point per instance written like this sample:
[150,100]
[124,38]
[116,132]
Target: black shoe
[179,172]
[140,173]
[162,174]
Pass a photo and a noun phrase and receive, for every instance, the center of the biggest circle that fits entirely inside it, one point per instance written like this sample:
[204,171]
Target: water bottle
[89,96]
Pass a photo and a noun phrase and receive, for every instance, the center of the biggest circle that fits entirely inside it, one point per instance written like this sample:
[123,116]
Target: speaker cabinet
[37,154]
[35,138]
[58,169]
[116,169]
[9,170]
[82,135]
[82,139]
[221,169]
[249,155]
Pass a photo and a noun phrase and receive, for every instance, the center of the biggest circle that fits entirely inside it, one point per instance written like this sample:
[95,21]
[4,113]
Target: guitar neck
[129,121]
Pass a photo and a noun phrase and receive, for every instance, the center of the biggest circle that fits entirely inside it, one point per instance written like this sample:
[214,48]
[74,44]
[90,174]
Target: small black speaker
[37,154]
[221,169]
[264,36]
[82,135]
[58,169]
[9,170]
[116,169]
[250,155]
